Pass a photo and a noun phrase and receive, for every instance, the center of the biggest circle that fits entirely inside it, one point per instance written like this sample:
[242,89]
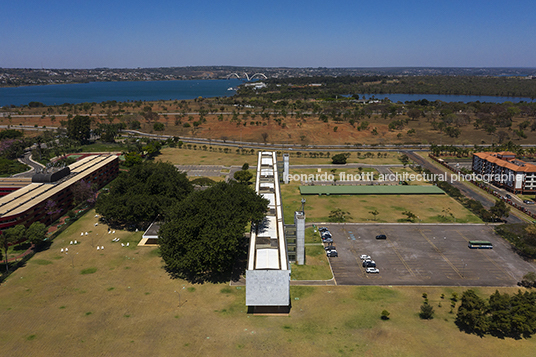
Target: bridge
[259,75]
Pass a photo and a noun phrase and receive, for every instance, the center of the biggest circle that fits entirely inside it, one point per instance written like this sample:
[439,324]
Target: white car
[373,270]
[365,257]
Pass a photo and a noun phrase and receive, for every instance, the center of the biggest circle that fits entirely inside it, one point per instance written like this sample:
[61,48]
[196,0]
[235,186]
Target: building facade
[504,170]
[47,201]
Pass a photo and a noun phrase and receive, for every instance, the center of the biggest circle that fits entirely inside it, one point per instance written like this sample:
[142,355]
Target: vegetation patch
[88,271]
[40,261]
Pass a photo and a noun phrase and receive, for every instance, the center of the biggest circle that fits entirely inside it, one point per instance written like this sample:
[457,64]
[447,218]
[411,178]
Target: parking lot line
[441,254]
[400,257]
[492,261]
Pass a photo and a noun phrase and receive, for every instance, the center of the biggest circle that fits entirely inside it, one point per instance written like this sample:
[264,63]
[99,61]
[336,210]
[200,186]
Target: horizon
[267,67]
[299,34]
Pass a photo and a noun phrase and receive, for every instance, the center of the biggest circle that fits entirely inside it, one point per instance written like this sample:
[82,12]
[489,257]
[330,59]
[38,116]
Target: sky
[276,33]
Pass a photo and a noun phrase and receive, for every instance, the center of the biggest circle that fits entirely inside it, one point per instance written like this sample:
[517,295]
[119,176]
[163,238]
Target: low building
[504,170]
[50,195]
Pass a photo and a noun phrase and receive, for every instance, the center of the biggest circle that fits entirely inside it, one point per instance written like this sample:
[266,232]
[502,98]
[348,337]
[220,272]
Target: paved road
[27,160]
[472,193]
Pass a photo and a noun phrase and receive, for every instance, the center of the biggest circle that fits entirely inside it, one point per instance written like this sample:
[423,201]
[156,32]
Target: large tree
[79,128]
[10,236]
[141,194]
[471,316]
[204,234]
[36,233]
[499,210]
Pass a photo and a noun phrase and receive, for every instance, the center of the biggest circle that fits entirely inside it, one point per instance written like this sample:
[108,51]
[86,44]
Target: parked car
[327,240]
[369,264]
[373,270]
[332,253]
[529,202]
[330,247]
[323,229]
[365,257]
[381,236]
[508,196]
[326,235]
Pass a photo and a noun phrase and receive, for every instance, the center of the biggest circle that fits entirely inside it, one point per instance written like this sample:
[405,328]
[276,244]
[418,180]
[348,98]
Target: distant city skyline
[131,34]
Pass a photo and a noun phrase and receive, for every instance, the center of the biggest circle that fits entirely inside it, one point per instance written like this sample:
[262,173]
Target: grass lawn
[103,147]
[119,301]
[200,157]
[316,262]
[428,208]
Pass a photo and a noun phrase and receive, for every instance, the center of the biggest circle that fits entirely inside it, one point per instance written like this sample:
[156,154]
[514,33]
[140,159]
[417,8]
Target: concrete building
[268,270]
[29,203]
[504,170]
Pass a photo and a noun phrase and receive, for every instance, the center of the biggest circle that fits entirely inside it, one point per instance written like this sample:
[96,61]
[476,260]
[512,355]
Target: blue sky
[119,34]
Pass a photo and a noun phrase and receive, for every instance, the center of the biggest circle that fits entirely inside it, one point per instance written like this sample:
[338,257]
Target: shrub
[385,315]
[427,311]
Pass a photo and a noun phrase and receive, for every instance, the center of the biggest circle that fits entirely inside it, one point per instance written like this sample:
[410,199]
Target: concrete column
[299,221]
[286,167]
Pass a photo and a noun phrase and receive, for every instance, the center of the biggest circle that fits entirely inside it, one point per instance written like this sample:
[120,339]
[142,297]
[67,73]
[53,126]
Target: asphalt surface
[421,254]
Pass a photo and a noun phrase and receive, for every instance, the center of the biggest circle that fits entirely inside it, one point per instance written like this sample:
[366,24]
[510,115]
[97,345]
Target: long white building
[268,271]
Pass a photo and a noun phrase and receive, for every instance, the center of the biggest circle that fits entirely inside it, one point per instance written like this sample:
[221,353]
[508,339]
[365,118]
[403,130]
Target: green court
[371,190]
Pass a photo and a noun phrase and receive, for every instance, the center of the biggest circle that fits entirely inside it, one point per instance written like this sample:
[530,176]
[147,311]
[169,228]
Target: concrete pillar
[286,167]
[299,221]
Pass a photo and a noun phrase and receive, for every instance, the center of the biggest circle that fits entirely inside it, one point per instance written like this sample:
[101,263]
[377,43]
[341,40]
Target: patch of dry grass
[428,208]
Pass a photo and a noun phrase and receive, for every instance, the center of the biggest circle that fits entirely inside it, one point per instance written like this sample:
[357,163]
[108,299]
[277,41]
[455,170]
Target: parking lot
[424,255]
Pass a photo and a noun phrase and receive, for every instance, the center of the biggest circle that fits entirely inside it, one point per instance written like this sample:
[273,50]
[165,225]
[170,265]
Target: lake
[97,92]
[189,89]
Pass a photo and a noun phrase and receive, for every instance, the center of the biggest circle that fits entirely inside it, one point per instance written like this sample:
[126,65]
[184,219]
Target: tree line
[502,315]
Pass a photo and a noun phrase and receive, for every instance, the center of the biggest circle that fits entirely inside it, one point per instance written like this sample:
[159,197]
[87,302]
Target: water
[156,90]
[120,91]
[446,98]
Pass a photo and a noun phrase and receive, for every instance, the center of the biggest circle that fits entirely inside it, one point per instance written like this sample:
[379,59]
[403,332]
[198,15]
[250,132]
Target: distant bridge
[247,76]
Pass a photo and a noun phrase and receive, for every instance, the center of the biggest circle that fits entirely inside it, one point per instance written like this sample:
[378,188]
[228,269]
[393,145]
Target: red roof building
[504,170]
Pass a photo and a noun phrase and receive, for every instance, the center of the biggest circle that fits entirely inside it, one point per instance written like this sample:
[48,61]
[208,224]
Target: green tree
[158,126]
[141,194]
[204,234]
[471,316]
[36,233]
[338,215]
[79,129]
[499,210]
[133,158]
[340,159]
[427,311]
[404,159]
[385,315]
[243,176]
[374,213]
[10,236]
[410,216]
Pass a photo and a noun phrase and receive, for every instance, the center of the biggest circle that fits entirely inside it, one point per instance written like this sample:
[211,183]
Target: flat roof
[267,258]
[35,193]
[267,243]
[371,190]
[6,182]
